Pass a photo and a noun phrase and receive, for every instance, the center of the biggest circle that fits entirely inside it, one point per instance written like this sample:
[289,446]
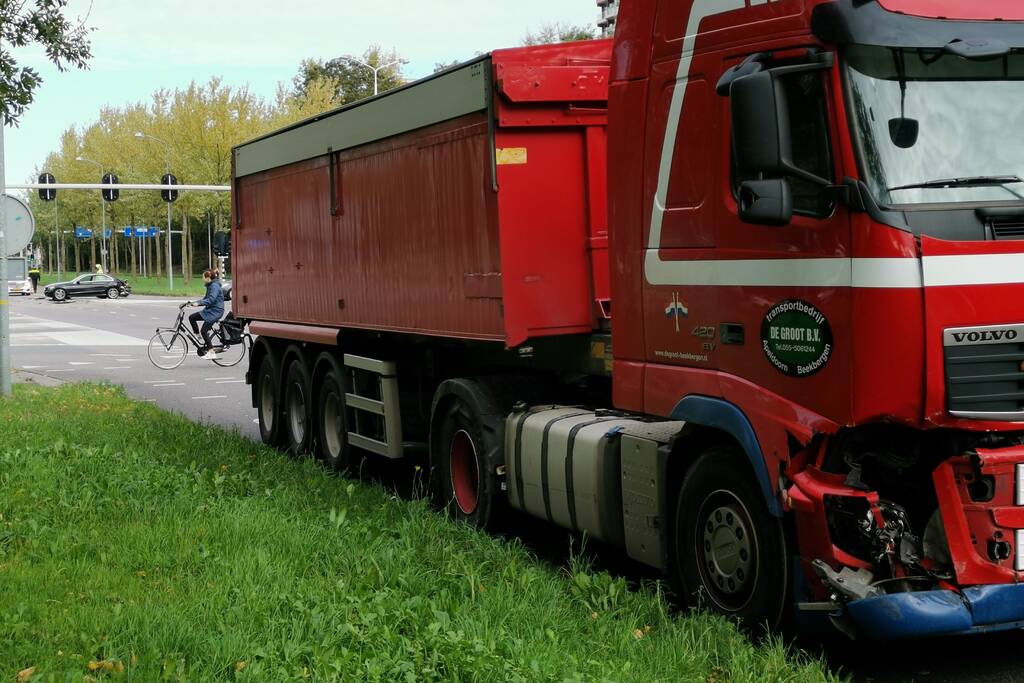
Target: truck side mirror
[766,202]
[760,130]
[761,125]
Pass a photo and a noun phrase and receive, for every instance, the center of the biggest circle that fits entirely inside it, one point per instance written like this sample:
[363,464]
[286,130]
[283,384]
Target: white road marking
[80,362]
[216,379]
[32,367]
[104,355]
[64,370]
[93,337]
[231,381]
[203,398]
[170,384]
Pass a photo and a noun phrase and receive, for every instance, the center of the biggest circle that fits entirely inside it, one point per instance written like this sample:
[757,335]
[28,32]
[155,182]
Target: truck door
[784,291]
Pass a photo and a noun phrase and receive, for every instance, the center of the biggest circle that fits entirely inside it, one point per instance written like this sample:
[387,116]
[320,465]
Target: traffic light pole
[170,252]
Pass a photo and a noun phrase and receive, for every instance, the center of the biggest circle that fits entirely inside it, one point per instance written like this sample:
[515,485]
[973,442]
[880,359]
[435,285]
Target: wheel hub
[297,413]
[728,549]
[465,472]
[333,424]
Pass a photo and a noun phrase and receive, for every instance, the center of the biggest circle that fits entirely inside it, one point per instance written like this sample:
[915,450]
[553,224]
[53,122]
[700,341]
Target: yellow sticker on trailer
[511,156]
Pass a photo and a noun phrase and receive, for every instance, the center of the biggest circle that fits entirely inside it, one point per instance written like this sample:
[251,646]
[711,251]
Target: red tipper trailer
[810,400]
[471,205]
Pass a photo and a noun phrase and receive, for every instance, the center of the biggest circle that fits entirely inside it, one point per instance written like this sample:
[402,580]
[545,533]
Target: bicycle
[169,346]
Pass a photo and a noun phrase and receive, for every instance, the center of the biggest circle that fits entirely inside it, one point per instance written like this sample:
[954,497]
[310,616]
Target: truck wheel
[729,552]
[268,405]
[332,433]
[298,432]
[468,486]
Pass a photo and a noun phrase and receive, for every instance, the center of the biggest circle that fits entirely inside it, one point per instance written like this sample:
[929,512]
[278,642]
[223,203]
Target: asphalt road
[100,340]
[95,340]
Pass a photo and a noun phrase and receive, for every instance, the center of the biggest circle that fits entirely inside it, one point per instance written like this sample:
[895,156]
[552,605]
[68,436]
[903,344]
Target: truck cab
[817,214]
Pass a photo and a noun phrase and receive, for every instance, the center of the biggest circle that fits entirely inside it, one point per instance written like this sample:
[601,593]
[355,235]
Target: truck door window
[808,120]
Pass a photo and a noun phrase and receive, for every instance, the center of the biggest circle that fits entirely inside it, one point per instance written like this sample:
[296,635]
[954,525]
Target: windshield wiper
[974,181]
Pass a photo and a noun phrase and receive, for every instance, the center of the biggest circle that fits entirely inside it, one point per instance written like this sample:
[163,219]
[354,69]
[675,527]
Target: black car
[97,284]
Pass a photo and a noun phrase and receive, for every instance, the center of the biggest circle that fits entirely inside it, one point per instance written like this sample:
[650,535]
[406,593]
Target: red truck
[740,292]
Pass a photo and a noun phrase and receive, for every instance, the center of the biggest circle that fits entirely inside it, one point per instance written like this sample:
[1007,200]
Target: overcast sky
[139,47]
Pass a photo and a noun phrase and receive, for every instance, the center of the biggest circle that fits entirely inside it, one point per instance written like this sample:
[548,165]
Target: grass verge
[143,285]
[137,545]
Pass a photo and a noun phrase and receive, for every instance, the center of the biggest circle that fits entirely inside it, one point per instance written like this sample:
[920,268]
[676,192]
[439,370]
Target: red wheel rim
[465,473]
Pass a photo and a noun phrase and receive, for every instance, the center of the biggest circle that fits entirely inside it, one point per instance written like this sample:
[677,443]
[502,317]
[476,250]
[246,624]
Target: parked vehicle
[18,281]
[89,284]
[808,396]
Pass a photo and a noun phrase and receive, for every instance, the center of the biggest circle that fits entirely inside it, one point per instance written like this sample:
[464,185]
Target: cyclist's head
[207,276]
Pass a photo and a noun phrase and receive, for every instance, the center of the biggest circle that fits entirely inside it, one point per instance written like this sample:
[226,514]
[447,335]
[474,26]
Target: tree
[559,33]
[200,124]
[66,45]
[351,80]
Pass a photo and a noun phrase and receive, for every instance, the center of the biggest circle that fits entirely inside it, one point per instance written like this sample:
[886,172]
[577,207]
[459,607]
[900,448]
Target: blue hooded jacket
[213,302]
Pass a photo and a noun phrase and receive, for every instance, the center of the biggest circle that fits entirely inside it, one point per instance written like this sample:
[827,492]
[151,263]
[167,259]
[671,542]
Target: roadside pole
[5,322]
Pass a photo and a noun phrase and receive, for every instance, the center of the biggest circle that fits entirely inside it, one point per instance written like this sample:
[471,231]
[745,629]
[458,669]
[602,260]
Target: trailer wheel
[298,432]
[729,552]
[469,488]
[332,432]
[268,406]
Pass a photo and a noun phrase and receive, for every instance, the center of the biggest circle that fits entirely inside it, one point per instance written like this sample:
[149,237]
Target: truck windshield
[937,128]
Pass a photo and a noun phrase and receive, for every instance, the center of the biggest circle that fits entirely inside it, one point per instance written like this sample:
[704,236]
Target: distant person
[213,309]
[33,274]
[99,269]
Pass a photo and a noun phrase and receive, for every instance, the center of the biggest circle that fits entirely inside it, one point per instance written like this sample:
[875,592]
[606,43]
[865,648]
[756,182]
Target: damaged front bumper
[971,582]
[939,612]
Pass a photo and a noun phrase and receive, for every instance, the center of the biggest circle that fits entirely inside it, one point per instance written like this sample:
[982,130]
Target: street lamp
[170,255]
[103,210]
[374,69]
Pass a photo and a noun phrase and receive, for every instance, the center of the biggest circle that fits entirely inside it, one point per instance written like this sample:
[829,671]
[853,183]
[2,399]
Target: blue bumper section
[940,612]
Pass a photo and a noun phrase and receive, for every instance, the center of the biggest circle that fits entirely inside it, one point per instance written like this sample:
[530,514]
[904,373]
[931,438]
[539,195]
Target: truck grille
[985,372]
[1010,229]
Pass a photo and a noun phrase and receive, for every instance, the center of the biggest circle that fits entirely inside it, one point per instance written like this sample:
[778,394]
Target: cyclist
[213,309]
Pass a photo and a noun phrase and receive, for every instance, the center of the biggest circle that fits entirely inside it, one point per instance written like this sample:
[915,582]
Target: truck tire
[331,427]
[729,552]
[468,486]
[268,404]
[298,432]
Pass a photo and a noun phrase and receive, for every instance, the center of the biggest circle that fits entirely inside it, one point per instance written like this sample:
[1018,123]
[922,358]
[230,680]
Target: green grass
[136,545]
[144,285]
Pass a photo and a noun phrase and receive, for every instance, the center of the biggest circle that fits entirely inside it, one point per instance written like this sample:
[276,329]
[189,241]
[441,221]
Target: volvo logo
[1001,334]
[984,335]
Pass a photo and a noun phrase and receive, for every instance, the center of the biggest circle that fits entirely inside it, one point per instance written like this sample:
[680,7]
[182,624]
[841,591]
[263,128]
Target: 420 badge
[796,338]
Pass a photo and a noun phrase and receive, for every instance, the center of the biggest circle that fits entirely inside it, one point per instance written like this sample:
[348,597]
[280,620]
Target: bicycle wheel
[167,349]
[230,355]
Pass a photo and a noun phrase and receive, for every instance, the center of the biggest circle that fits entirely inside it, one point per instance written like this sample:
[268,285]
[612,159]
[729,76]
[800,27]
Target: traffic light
[46,194]
[112,194]
[169,195]
[222,244]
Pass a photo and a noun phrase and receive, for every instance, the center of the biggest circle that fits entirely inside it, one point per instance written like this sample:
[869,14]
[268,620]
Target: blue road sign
[127,232]
[153,232]
[81,232]
[107,233]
